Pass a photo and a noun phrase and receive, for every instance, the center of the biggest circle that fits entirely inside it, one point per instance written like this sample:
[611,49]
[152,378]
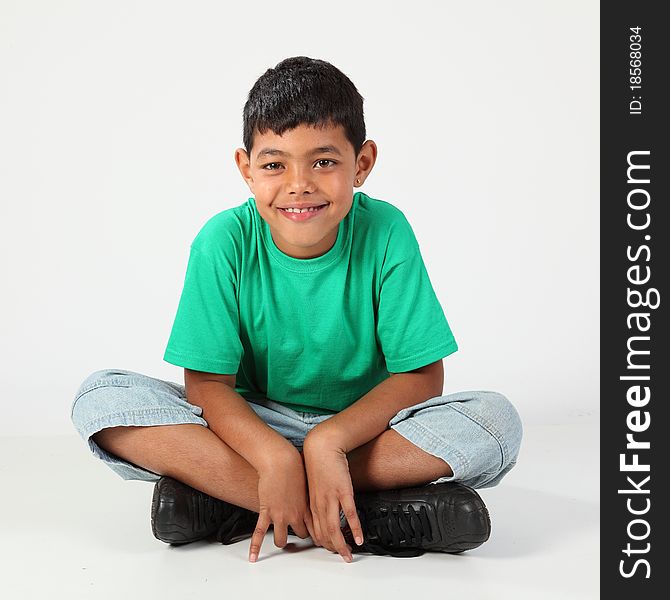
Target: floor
[74,529]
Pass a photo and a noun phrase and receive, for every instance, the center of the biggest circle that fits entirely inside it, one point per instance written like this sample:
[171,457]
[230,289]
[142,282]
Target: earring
[358,181]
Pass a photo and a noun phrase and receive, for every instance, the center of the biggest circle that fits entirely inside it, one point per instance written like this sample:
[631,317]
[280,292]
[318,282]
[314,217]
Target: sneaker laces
[394,532]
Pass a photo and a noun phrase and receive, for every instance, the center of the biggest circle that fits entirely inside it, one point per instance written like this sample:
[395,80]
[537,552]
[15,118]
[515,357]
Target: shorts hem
[425,439]
[141,417]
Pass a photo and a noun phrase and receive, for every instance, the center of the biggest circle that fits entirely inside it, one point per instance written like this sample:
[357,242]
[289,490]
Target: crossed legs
[196,456]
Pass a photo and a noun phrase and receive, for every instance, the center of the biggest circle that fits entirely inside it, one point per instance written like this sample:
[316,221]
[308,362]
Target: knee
[83,408]
[103,377]
[506,420]
[499,449]
[99,378]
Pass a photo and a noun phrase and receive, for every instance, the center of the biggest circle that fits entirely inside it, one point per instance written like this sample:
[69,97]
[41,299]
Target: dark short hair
[302,90]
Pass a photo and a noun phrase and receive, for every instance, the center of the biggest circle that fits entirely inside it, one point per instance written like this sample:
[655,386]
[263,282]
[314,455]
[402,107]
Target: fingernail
[359,540]
[253,557]
[347,558]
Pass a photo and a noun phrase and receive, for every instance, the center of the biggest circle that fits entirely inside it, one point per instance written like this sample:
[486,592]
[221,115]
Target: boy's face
[306,166]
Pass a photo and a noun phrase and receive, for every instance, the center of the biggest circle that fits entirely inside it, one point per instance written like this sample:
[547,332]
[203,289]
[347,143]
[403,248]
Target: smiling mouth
[303,209]
[304,215]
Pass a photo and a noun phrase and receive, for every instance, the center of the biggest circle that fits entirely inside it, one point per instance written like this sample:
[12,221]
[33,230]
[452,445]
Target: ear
[244,165]
[365,161]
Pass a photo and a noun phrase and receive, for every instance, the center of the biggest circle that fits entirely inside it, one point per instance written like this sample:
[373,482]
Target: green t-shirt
[312,334]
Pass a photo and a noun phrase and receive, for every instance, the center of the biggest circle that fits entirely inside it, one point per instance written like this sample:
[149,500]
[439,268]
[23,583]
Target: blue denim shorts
[477,433]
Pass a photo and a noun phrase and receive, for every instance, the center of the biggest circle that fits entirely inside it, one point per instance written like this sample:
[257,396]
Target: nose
[299,181]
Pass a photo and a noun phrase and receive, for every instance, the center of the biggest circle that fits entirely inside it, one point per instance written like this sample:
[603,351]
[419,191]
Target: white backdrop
[118,125]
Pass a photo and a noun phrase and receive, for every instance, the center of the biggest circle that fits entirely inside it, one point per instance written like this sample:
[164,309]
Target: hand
[330,487]
[282,492]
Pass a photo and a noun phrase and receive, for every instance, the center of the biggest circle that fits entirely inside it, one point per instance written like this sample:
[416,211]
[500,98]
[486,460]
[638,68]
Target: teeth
[297,210]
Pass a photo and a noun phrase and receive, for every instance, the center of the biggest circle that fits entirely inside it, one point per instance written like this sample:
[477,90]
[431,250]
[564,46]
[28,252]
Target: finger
[349,508]
[317,537]
[334,531]
[259,534]
[309,523]
[280,534]
[302,527]
[299,529]
[320,534]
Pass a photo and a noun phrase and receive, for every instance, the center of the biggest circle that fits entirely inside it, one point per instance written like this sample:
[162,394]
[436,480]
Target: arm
[326,446]
[231,418]
[282,484]
[369,416]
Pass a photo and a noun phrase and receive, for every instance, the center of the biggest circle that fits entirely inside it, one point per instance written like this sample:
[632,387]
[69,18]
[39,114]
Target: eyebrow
[276,152]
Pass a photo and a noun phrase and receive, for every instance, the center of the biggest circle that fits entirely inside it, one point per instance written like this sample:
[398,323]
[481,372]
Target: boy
[312,345]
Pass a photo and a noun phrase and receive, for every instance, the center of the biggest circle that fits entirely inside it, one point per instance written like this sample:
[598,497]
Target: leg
[469,437]
[390,461]
[189,453]
[143,427]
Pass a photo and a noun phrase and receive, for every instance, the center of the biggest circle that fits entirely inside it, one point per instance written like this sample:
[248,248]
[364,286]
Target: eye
[326,160]
[270,165]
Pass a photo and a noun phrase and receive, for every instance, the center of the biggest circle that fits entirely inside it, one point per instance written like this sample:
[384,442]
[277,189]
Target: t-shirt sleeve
[205,334]
[411,327]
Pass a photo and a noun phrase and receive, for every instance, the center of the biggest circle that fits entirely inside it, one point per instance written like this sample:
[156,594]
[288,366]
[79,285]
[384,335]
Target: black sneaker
[442,517]
[181,514]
